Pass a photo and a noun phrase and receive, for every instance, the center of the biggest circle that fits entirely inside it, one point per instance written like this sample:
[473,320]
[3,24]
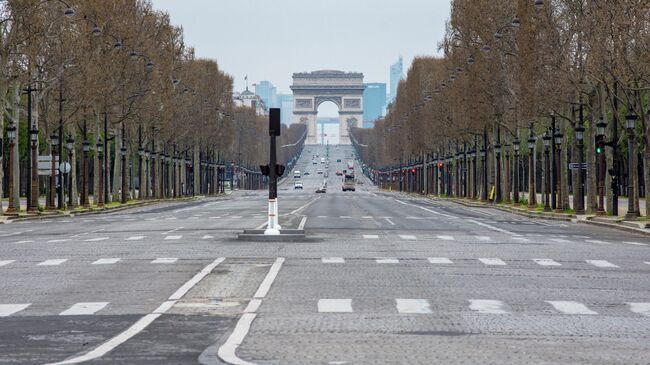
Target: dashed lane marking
[493,227]
[164,260]
[487,306]
[389,221]
[521,239]
[370,236]
[483,238]
[106,261]
[413,306]
[6,262]
[387,260]
[407,237]
[333,260]
[597,242]
[207,237]
[303,221]
[439,260]
[173,237]
[547,262]
[602,263]
[59,240]
[335,305]
[559,240]
[635,243]
[52,262]
[96,239]
[569,307]
[135,238]
[640,308]
[492,261]
[446,238]
[84,309]
[8,309]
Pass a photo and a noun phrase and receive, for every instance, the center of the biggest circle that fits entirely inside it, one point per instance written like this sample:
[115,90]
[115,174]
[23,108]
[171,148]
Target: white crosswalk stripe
[370,236]
[8,309]
[635,243]
[52,262]
[487,306]
[96,239]
[6,262]
[439,260]
[106,261]
[173,237]
[640,308]
[413,306]
[547,262]
[406,237]
[335,306]
[492,261]
[84,309]
[569,307]
[446,238]
[333,260]
[387,260]
[601,263]
[135,238]
[164,260]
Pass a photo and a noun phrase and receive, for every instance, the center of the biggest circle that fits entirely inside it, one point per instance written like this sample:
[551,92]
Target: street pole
[558,180]
[272,227]
[580,130]
[123,153]
[532,192]
[630,120]
[100,159]
[547,145]
[107,151]
[554,173]
[11,133]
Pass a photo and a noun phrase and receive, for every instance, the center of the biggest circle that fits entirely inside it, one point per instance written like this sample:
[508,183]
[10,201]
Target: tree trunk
[15,117]
[591,184]
[117,166]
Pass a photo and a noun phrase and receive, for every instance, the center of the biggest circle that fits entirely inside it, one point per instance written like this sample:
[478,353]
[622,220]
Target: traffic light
[412,171]
[279,170]
[265,170]
[440,164]
[598,150]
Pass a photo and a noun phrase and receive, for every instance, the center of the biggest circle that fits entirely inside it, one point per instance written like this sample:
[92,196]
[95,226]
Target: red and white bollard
[273,228]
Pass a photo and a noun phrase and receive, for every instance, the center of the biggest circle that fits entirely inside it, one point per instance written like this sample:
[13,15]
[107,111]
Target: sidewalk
[622,203]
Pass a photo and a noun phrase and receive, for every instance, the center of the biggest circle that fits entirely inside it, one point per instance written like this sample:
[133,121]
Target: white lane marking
[124,336]
[106,261]
[368,217]
[370,236]
[262,225]
[26,241]
[597,242]
[521,239]
[173,237]
[493,228]
[295,211]
[84,309]
[207,237]
[253,306]
[647,262]
[227,351]
[559,240]
[446,238]
[601,263]
[10,234]
[413,306]
[8,309]
[96,239]
[333,260]
[635,243]
[389,221]
[547,262]
[478,212]
[164,260]
[487,306]
[135,238]
[270,277]
[439,260]
[483,238]
[198,277]
[335,306]
[52,262]
[59,240]
[236,217]
[6,262]
[407,237]
[303,221]
[184,209]
[345,217]
[428,210]
[492,261]
[569,307]
[172,230]
[387,260]
[322,216]
[415,218]
[640,308]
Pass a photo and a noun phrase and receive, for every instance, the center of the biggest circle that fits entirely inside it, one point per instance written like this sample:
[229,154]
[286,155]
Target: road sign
[45,165]
[64,168]
[574,166]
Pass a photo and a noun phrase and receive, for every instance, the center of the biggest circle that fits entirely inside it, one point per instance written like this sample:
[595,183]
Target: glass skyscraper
[268,93]
[374,102]
[396,75]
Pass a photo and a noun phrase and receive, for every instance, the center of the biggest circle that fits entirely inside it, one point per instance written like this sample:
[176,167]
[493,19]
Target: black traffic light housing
[279,170]
[265,170]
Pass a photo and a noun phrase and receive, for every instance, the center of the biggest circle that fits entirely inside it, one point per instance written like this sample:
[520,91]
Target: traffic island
[286,235]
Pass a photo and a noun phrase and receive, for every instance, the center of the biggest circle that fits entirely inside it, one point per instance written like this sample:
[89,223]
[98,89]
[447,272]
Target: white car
[297,185]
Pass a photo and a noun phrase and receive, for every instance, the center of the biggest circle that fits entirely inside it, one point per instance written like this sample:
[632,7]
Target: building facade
[248,99]
[268,93]
[286,108]
[396,75]
[374,103]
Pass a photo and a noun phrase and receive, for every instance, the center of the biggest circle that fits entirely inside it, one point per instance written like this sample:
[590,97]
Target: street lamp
[86,171]
[55,144]
[580,135]
[558,179]
[547,192]
[123,154]
[601,125]
[630,124]
[532,193]
[497,185]
[69,145]
[516,145]
[141,177]
[33,137]
[100,192]
[11,134]
[484,193]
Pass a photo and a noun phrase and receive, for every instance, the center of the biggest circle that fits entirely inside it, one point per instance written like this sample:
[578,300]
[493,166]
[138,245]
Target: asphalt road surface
[383,278]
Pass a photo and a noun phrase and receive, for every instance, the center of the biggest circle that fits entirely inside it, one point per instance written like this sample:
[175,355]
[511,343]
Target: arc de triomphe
[311,89]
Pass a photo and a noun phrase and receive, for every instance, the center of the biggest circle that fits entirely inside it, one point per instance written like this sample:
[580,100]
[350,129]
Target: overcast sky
[272,39]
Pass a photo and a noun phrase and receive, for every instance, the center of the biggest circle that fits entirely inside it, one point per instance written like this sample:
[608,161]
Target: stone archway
[311,89]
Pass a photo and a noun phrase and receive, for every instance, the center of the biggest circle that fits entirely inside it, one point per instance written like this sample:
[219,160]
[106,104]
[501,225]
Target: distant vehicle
[339,173]
[338,160]
[296,174]
[306,173]
[348,183]
[322,160]
[319,172]
[327,174]
[297,185]
[313,162]
[321,190]
[350,165]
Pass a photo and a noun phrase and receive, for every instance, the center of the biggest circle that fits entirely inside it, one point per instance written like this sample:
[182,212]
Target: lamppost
[532,193]
[507,173]
[33,137]
[100,190]
[55,146]
[602,168]
[141,155]
[484,192]
[11,134]
[86,172]
[630,124]
[472,156]
[547,183]
[69,145]
[497,183]
[580,135]
[123,154]
[516,145]
[558,179]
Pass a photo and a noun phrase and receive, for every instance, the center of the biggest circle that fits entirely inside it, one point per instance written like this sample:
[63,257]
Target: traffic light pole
[273,228]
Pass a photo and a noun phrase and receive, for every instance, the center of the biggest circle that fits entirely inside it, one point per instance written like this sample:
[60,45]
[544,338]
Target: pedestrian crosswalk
[488,261]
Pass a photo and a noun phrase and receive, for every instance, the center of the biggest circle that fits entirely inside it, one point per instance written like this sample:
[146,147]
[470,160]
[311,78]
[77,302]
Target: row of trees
[513,72]
[111,88]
